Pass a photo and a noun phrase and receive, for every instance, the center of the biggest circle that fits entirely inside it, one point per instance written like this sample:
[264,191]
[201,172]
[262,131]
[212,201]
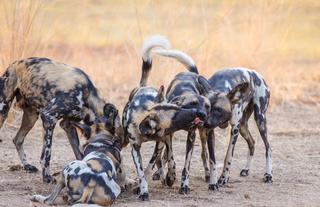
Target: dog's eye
[219,110]
[193,103]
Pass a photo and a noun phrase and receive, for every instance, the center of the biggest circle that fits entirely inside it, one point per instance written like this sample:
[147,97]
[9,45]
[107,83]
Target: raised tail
[148,45]
[180,56]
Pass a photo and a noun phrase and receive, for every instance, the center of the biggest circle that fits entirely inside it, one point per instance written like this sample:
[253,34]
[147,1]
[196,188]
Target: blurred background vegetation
[278,38]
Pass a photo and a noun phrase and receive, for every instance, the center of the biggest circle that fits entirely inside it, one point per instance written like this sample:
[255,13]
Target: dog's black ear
[85,129]
[109,110]
[149,125]
[238,92]
[161,95]
[203,85]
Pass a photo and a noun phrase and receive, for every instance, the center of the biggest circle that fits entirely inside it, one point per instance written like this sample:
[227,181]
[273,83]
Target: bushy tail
[180,56]
[148,45]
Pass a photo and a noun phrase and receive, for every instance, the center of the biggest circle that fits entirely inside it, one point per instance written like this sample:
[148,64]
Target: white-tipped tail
[180,56]
[152,42]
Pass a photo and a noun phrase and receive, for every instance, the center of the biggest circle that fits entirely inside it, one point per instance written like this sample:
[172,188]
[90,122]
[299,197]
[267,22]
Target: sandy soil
[293,133]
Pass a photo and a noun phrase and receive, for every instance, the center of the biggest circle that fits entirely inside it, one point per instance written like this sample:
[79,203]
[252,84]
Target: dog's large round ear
[149,125]
[85,129]
[110,110]
[161,95]
[237,93]
[203,85]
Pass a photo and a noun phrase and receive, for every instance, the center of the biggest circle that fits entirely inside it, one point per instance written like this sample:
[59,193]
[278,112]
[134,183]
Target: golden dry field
[278,38]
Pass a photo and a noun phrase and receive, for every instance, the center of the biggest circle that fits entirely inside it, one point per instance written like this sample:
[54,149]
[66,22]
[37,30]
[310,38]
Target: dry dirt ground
[293,133]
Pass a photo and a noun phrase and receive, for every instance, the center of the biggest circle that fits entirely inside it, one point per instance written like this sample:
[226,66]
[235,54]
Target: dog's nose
[202,115]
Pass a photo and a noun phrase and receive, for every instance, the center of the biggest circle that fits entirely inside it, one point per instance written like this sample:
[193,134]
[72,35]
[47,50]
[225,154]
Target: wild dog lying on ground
[186,91]
[148,117]
[98,178]
[239,92]
[55,91]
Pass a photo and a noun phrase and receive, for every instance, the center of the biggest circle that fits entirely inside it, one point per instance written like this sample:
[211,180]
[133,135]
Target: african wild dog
[54,91]
[239,92]
[98,178]
[186,91]
[147,116]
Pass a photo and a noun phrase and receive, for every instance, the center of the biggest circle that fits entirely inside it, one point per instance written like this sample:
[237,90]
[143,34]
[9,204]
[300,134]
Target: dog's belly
[93,178]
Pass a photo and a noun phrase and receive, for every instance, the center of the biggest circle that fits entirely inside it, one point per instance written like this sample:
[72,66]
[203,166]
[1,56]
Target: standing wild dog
[239,92]
[148,117]
[234,95]
[186,90]
[54,91]
[98,178]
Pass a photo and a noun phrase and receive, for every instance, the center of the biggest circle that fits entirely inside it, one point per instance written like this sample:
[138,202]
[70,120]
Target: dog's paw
[144,197]
[156,176]
[30,168]
[37,198]
[213,187]
[223,180]
[207,178]
[184,190]
[170,178]
[267,178]
[244,173]
[49,179]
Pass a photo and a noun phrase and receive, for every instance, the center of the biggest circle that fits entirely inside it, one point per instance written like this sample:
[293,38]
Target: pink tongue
[197,121]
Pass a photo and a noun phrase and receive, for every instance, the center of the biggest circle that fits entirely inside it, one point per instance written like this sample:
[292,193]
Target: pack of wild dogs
[56,91]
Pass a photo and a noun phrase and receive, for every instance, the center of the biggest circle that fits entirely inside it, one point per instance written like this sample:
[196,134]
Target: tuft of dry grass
[276,38]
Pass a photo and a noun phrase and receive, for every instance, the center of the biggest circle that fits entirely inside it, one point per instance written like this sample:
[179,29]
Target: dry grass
[277,38]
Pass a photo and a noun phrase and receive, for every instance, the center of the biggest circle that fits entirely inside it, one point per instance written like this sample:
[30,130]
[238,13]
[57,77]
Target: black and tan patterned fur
[54,91]
[148,117]
[98,178]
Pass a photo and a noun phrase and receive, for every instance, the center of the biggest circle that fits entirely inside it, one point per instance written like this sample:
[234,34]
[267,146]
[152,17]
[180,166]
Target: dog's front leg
[213,183]
[73,137]
[171,174]
[184,189]
[224,178]
[143,184]
[156,157]
[49,123]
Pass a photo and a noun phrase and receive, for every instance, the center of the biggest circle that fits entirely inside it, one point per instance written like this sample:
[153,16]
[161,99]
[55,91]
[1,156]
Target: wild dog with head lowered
[54,91]
[147,116]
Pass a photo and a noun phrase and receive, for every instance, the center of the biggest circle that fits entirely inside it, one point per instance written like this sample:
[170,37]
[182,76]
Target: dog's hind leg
[51,197]
[29,118]
[73,137]
[261,121]
[245,133]
[204,153]
[184,188]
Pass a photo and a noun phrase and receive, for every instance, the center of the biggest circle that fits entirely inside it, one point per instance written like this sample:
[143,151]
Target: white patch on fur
[227,85]
[2,105]
[79,97]
[152,42]
[143,184]
[53,100]
[136,102]
[249,160]
[269,162]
